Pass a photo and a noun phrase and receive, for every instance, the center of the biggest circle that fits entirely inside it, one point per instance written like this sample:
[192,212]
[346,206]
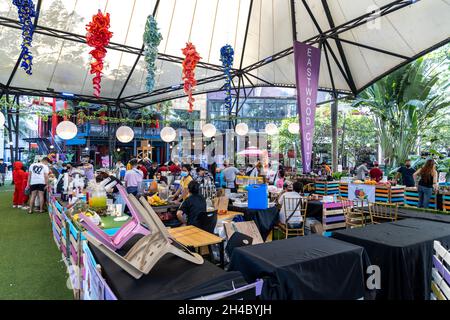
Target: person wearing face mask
[185,179]
[406,172]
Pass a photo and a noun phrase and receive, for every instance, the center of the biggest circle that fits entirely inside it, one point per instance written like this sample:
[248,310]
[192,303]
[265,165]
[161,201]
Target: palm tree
[404,104]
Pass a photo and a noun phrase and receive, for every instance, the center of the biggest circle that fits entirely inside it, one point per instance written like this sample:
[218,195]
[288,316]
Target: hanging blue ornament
[26,11]
[227,59]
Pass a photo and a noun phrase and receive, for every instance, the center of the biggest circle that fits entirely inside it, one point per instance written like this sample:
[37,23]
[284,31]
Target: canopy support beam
[340,48]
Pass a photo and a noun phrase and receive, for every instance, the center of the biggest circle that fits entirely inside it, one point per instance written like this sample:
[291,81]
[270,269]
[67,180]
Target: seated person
[293,192]
[203,177]
[184,183]
[193,208]
[375,173]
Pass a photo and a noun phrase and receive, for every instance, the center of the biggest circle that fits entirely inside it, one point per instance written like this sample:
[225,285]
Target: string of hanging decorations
[98,37]
[152,39]
[227,59]
[189,65]
[26,11]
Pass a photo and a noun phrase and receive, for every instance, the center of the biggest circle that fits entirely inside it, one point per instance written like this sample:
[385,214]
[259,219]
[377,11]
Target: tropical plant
[403,105]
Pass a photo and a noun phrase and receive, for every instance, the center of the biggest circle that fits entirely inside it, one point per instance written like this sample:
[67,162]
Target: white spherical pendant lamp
[294,128]
[241,129]
[209,130]
[2,119]
[124,134]
[66,130]
[168,134]
[271,129]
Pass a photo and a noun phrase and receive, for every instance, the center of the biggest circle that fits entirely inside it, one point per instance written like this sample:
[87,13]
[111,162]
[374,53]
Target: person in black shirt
[193,208]
[153,170]
[406,172]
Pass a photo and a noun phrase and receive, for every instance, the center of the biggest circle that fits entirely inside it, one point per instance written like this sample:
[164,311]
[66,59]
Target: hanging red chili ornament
[98,36]
[189,65]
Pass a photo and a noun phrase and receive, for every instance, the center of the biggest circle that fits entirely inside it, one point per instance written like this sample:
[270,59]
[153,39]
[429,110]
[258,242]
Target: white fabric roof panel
[63,65]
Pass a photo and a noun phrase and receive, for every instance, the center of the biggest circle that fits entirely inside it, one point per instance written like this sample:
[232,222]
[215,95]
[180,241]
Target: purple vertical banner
[307,67]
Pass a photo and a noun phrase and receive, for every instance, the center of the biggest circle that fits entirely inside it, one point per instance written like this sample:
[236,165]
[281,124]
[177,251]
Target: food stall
[326,188]
[383,191]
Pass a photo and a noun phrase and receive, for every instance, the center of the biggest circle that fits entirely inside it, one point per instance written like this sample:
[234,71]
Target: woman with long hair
[428,182]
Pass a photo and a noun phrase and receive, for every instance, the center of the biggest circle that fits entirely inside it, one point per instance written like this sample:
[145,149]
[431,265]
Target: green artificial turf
[30,263]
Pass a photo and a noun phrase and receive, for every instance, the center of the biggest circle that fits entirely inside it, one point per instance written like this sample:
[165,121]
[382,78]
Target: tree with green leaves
[403,105]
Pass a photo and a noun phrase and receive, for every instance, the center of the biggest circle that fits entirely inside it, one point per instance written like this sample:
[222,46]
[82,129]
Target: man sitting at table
[293,192]
[193,208]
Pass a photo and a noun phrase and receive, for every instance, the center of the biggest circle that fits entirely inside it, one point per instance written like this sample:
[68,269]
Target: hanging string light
[98,37]
[227,58]
[26,11]
[152,39]
[189,65]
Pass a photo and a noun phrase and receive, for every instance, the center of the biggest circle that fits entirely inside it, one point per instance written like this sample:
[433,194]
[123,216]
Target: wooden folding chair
[354,214]
[293,207]
[382,212]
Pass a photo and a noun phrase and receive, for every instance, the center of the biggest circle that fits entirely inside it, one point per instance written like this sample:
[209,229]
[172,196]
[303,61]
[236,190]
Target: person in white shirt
[37,182]
[293,192]
[133,178]
[229,175]
[251,171]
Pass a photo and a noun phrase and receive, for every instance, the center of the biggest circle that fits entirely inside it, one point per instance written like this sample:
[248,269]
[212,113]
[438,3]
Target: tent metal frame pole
[293,21]
[349,25]
[339,47]
[345,72]
[14,70]
[371,48]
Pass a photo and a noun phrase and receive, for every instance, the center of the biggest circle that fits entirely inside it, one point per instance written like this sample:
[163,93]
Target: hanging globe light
[209,130]
[271,129]
[66,130]
[241,129]
[168,134]
[294,128]
[2,119]
[124,134]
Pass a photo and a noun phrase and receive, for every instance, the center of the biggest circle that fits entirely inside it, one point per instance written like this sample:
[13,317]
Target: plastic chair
[146,253]
[126,232]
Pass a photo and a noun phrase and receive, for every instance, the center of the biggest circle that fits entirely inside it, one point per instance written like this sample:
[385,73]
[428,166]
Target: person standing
[37,182]
[407,174]
[376,173]
[18,176]
[427,183]
[361,171]
[133,178]
[3,172]
[251,171]
[141,166]
[229,175]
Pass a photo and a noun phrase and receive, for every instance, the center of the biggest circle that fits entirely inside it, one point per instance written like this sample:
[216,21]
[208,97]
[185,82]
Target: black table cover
[172,278]
[311,267]
[403,250]
[404,213]
[265,219]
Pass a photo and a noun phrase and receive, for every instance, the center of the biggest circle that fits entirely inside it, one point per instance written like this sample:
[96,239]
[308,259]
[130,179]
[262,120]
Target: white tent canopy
[362,41]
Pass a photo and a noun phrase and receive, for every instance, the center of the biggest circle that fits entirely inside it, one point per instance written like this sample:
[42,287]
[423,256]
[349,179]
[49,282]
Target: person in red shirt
[173,168]
[144,170]
[375,173]
[18,176]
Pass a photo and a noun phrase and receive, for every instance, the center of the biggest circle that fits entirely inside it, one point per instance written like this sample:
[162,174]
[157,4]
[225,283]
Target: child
[19,185]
